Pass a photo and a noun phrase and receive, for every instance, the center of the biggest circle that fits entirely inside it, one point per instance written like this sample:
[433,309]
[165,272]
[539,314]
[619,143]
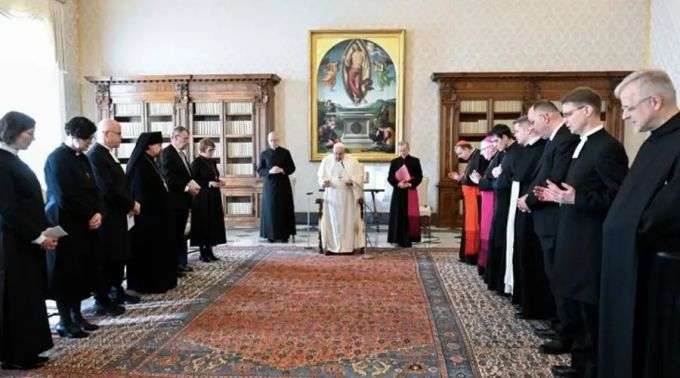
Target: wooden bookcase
[235,111]
[471,103]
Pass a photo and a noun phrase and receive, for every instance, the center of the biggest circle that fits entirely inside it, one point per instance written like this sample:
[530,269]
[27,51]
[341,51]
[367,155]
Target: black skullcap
[80,127]
[12,124]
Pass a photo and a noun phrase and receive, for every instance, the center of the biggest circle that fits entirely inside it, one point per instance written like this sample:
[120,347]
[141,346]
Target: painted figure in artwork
[357,72]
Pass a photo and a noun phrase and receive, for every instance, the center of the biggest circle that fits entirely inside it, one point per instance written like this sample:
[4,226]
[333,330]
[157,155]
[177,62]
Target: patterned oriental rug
[284,311]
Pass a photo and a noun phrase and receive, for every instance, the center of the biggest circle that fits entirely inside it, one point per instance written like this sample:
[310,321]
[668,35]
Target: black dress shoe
[86,326]
[566,371]
[205,259]
[129,298]
[71,331]
[554,347]
[545,333]
[187,268]
[108,309]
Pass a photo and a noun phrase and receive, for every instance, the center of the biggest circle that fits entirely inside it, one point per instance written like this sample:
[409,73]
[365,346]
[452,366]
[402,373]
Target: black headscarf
[143,142]
[80,127]
[13,124]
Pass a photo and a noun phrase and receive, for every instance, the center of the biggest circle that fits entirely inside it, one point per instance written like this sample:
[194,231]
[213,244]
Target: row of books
[473,106]
[128,110]
[239,169]
[240,149]
[131,129]
[160,108]
[239,127]
[507,122]
[207,108]
[207,127]
[478,127]
[239,107]
[507,106]
[164,127]
[239,208]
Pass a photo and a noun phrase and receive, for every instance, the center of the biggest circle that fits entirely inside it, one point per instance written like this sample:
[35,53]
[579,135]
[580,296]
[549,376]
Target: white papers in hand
[130,221]
[55,232]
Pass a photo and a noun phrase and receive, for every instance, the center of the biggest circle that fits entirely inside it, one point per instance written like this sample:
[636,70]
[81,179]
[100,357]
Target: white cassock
[341,226]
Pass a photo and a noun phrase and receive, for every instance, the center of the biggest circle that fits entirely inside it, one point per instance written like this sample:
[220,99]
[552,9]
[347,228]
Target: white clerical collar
[8,148]
[533,140]
[552,136]
[584,139]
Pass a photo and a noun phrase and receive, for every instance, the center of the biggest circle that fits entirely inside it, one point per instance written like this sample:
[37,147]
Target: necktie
[185,160]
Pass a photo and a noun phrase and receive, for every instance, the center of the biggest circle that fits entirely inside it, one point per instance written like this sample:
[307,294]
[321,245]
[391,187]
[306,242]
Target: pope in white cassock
[341,226]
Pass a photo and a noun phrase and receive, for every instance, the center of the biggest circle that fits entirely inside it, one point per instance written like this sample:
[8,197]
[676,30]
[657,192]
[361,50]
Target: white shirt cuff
[39,240]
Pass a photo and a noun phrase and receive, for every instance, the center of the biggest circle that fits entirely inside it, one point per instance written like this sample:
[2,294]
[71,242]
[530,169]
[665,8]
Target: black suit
[177,175]
[116,202]
[553,166]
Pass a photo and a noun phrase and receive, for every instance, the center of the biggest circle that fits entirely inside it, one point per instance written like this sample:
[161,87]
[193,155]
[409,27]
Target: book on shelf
[239,127]
[207,128]
[131,129]
[239,208]
[473,106]
[127,110]
[207,108]
[125,150]
[160,109]
[507,106]
[477,127]
[506,122]
[240,149]
[240,169]
[164,127]
[239,107]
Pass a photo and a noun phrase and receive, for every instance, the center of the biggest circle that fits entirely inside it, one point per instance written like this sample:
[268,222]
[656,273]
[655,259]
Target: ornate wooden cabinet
[235,111]
[471,103]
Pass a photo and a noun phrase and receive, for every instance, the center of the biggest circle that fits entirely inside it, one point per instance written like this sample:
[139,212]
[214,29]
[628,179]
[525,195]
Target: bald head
[109,133]
[339,151]
[273,139]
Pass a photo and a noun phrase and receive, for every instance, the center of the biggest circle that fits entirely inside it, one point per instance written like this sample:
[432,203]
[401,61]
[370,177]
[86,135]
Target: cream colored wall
[72,76]
[238,36]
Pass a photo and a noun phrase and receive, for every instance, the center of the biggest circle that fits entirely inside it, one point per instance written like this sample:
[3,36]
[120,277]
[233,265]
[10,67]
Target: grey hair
[403,143]
[650,83]
[178,130]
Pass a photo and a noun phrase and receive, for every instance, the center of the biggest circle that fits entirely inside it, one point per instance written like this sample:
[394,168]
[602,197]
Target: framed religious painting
[356,92]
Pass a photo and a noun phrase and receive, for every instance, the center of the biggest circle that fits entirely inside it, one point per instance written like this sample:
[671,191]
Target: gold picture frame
[356,92]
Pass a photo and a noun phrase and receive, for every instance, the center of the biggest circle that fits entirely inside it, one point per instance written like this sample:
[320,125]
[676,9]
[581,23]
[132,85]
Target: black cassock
[72,200]
[153,268]
[277,214]
[531,287]
[495,266]
[116,204]
[24,329]
[398,231]
[643,220]
[207,215]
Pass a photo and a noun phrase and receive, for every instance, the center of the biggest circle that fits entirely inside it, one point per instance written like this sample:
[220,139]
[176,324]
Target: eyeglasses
[571,112]
[628,109]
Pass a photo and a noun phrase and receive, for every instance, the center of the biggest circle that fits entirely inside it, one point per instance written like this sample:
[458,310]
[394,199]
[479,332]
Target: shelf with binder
[238,205]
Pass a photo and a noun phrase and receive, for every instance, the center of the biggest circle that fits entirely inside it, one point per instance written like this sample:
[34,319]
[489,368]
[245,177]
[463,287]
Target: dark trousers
[179,240]
[566,310]
[110,275]
[584,349]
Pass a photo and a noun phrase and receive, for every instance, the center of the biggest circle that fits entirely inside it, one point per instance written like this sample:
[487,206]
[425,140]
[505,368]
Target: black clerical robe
[153,268]
[596,175]
[398,231]
[495,268]
[207,215]
[531,287]
[72,200]
[277,220]
[643,220]
[116,203]
[24,329]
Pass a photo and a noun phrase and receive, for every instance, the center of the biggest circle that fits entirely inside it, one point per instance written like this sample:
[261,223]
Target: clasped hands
[404,184]
[327,183]
[553,193]
[275,170]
